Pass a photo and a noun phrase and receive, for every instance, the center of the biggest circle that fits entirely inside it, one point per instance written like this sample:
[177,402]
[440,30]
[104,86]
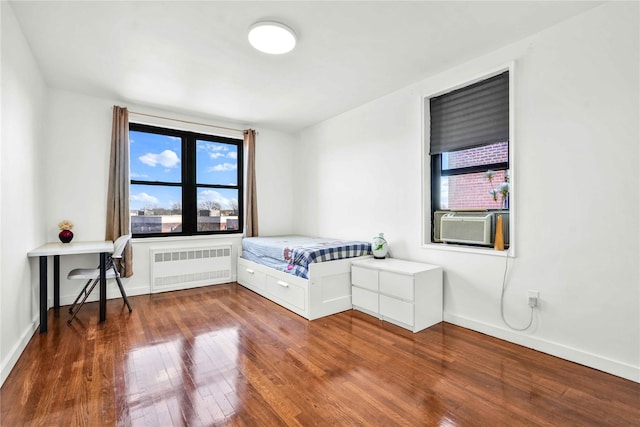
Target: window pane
[216,163]
[217,209]
[156,209]
[485,155]
[472,191]
[155,157]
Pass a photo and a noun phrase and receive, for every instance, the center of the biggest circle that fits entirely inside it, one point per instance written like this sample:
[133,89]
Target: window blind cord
[504,287]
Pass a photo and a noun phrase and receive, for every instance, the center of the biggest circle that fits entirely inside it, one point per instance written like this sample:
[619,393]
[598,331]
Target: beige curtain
[118,219]
[251,199]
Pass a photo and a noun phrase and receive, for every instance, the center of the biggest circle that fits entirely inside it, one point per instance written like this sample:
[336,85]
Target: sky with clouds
[159,158]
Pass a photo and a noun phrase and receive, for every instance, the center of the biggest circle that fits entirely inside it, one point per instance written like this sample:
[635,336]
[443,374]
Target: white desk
[56,249]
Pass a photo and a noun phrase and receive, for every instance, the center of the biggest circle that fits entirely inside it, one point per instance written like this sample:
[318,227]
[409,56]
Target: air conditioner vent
[470,228]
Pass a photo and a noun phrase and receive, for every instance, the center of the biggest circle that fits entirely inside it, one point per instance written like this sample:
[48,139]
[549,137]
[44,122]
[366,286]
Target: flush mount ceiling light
[272,37]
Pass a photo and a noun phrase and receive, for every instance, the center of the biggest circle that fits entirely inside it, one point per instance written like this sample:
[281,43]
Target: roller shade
[470,117]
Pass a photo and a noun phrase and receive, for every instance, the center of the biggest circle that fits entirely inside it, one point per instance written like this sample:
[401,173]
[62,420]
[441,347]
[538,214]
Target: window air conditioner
[458,227]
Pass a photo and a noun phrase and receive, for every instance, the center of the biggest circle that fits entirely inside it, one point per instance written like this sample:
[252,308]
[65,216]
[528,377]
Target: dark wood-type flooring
[222,355]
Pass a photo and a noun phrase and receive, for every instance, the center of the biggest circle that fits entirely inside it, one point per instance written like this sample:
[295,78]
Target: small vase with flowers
[65,235]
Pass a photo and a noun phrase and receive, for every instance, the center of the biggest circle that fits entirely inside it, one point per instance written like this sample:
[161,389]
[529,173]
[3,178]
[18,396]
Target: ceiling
[194,57]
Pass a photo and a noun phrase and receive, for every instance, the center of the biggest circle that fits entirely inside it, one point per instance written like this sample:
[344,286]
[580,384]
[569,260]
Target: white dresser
[405,293]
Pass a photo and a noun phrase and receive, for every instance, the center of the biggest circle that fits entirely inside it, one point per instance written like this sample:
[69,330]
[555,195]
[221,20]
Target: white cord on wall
[504,286]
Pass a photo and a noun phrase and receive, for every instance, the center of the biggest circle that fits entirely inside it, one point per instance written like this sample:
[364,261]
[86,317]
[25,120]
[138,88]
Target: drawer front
[401,311]
[396,285]
[364,278]
[251,277]
[287,292]
[363,298]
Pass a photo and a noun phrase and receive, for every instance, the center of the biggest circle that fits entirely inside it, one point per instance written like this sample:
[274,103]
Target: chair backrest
[119,245]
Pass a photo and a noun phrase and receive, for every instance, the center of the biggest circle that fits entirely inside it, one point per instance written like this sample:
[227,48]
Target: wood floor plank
[222,355]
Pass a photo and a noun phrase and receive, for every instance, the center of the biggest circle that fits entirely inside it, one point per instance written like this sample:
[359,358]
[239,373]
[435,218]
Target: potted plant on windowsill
[500,195]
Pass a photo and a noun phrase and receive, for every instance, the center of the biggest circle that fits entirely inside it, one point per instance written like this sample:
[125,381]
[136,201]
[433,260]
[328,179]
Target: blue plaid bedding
[294,253]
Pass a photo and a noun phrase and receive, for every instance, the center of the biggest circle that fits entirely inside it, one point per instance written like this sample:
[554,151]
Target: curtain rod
[187,121]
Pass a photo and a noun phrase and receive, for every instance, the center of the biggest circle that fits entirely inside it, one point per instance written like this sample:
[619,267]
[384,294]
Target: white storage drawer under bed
[327,290]
[286,292]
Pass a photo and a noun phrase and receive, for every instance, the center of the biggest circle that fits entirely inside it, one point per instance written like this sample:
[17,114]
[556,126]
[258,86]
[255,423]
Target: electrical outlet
[532,298]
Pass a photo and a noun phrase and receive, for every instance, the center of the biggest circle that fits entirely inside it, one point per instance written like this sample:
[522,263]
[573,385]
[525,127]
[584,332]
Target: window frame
[189,184]
[432,163]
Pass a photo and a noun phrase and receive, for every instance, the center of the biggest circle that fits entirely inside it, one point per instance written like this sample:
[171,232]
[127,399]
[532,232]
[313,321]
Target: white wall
[576,153]
[24,96]
[77,152]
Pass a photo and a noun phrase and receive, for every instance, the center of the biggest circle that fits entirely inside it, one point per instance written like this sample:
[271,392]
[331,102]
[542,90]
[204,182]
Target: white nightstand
[405,293]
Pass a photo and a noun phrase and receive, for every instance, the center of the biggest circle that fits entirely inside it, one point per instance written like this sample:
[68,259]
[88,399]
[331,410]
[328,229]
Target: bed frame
[327,291]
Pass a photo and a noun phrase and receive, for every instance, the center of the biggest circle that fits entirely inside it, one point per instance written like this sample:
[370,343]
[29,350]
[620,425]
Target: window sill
[468,249]
[169,238]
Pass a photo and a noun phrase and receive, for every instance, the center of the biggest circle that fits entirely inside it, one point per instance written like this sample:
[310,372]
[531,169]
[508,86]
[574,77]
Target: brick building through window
[473,191]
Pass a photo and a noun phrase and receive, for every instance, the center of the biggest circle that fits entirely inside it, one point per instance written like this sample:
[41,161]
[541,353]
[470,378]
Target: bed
[310,276]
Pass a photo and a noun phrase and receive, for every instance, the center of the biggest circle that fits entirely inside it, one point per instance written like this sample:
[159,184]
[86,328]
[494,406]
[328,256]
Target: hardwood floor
[222,355]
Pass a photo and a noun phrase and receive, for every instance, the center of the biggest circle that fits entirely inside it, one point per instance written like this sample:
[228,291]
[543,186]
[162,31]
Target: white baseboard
[591,360]
[113,292]
[16,351]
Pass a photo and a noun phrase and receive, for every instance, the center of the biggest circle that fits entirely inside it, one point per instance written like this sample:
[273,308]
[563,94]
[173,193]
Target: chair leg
[78,297]
[123,293]
[86,295]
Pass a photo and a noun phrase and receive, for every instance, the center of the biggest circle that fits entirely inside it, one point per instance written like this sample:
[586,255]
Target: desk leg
[103,287]
[43,294]
[56,281]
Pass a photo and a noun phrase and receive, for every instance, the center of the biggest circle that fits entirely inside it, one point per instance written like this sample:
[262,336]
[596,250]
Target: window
[184,183]
[469,149]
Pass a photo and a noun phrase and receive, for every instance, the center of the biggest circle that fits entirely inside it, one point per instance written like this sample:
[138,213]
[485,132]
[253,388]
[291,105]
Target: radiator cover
[182,268]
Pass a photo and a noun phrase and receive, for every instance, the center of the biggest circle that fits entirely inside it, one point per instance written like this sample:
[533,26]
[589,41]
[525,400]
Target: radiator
[174,268]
